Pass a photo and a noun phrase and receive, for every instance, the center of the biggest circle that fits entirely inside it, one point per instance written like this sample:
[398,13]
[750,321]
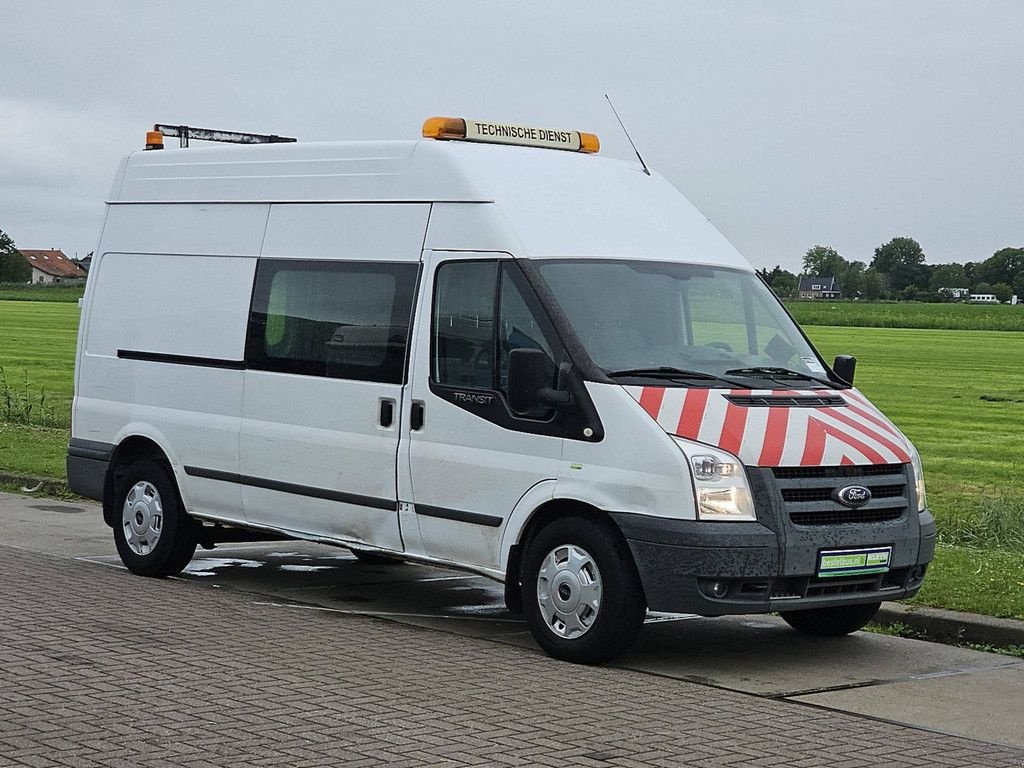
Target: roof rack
[186,132]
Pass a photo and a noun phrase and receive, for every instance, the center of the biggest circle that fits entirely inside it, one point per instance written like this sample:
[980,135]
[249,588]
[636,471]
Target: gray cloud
[788,124]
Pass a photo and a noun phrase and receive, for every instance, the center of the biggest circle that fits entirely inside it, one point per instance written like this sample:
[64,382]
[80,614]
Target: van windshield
[682,324]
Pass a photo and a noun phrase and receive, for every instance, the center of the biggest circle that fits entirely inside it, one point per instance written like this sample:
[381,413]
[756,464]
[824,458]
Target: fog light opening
[719,589]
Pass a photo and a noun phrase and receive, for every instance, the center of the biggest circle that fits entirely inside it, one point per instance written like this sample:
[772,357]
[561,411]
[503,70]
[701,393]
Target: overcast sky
[786,123]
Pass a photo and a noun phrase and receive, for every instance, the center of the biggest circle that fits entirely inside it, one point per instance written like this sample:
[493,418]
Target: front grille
[808,493]
[866,470]
[847,586]
[787,401]
[825,494]
[798,587]
[843,516]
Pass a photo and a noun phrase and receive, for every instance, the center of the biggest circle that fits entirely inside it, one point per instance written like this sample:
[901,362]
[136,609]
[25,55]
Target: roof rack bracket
[186,132]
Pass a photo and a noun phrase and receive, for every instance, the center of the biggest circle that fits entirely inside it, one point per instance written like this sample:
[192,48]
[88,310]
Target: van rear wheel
[153,534]
[831,622]
[582,596]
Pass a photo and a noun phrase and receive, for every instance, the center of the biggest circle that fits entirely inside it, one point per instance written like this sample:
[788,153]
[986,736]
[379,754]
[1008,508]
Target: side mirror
[528,378]
[844,367]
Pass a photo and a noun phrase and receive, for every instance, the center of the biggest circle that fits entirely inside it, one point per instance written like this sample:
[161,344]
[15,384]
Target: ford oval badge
[853,496]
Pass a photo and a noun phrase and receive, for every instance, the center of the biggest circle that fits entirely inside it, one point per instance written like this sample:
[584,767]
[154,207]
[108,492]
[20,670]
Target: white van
[489,349]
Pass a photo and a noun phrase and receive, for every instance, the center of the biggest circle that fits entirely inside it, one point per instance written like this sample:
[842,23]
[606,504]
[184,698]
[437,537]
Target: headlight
[915,462]
[721,484]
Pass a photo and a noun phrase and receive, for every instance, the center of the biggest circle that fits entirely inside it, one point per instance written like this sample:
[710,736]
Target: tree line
[898,271]
[13,268]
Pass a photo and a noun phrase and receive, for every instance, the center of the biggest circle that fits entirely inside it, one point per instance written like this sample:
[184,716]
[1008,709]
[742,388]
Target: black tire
[831,622]
[622,602]
[176,543]
[372,558]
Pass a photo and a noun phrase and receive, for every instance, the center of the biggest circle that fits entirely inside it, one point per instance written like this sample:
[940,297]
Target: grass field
[37,353]
[961,317]
[70,293]
[958,395]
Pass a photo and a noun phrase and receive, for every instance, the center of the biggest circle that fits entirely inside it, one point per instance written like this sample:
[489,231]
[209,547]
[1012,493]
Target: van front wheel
[153,534]
[831,622]
[582,595]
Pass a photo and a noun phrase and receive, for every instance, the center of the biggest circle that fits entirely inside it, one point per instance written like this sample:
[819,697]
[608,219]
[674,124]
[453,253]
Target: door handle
[416,417]
[387,412]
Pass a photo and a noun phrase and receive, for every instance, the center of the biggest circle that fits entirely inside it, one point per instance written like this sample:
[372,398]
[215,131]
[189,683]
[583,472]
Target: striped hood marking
[778,436]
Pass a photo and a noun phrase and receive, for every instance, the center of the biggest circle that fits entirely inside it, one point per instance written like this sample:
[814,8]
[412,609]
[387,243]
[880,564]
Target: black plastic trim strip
[299,490]
[161,357]
[788,401]
[477,518]
[90,449]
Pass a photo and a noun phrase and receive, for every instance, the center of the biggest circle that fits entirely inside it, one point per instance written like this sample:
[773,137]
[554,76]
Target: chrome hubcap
[569,591]
[142,517]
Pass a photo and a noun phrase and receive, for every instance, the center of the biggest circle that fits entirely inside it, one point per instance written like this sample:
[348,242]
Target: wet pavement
[926,685]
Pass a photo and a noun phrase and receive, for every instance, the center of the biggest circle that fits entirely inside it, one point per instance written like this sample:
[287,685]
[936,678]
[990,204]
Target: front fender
[538,495]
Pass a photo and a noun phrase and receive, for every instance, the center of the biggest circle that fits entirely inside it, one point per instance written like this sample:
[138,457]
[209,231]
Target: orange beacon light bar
[460,129]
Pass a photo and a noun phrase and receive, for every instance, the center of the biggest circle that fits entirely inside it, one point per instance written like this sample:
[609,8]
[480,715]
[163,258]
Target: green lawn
[37,354]
[963,317]
[32,450]
[975,580]
[958,395]
[67,293]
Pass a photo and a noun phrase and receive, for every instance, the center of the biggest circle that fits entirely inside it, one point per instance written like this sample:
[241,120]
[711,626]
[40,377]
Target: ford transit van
[489,349]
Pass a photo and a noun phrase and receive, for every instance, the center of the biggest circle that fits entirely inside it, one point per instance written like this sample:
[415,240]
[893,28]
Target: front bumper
[716,568]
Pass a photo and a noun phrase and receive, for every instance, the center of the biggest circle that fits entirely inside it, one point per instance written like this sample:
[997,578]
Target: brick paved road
[98,667]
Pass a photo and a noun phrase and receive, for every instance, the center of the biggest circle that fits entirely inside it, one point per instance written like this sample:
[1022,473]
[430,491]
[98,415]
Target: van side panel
[161,354]
[471,227]
[317,455]
[225,229]
[360,232]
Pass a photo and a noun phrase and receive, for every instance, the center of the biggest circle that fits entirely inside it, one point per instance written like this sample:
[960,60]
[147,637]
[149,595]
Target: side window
[464,322]
[518,328]
[342,320]
[481,315]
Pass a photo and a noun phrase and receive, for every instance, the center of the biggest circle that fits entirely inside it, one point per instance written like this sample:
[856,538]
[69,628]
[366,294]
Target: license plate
[854,562]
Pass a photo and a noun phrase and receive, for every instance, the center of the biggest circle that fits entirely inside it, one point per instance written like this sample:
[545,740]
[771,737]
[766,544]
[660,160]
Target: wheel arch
[538,517]
[129,450]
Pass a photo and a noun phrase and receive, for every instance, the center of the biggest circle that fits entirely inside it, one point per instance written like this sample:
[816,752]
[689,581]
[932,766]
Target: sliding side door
[325,369]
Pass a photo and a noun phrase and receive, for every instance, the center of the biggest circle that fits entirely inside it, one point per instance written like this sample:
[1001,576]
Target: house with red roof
[52,266]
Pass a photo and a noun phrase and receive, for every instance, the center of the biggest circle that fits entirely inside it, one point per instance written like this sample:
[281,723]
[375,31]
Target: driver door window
[481,314]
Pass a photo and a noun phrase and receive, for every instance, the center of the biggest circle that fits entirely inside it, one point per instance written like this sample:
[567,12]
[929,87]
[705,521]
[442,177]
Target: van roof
[578,202]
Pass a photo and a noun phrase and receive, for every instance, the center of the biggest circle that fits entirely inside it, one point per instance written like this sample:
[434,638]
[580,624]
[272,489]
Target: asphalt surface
[291,653]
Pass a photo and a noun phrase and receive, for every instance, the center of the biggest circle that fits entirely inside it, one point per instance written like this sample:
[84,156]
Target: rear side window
[341,320]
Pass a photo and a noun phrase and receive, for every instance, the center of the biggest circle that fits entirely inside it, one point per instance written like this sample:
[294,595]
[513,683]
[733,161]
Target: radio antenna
[614,112]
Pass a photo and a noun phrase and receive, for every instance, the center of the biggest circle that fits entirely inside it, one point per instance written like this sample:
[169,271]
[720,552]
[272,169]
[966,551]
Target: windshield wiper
[776,372]
[669,372]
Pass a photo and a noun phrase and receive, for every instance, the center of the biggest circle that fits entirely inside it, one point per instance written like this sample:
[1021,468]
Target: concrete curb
[47,486]
[953,626]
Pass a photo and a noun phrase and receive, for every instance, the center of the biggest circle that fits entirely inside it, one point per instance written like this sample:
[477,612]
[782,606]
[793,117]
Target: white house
[814,287]
[52,266]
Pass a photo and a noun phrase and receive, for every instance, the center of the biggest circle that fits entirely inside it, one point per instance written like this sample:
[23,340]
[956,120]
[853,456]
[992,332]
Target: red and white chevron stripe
[778,436]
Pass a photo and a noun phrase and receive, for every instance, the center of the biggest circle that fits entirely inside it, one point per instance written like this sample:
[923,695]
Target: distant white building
[990,298]
[52,266]
[814,287]
[956,294]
